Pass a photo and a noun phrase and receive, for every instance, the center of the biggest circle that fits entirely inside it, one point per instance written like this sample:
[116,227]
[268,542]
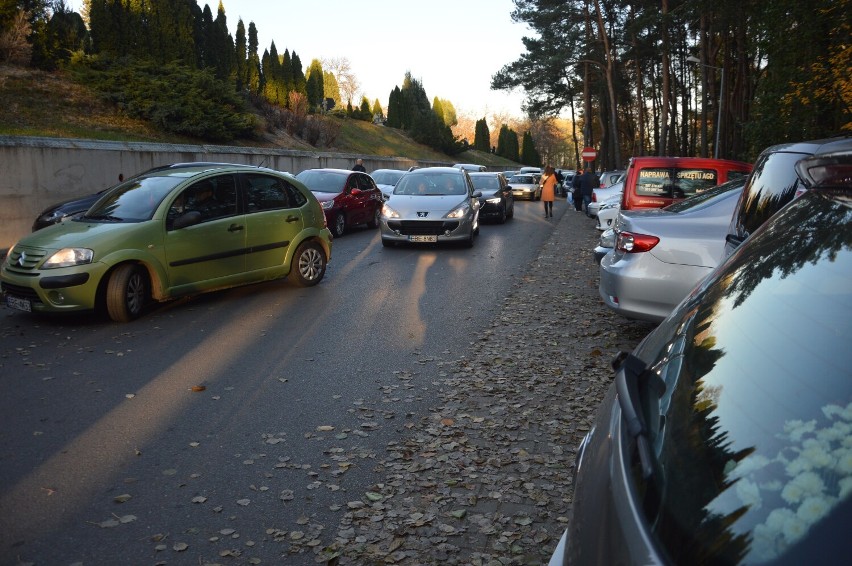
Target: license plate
[423,238]
[19,304]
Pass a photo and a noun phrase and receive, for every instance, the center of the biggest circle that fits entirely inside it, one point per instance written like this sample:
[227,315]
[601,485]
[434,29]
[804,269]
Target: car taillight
[594,197]
[631,243]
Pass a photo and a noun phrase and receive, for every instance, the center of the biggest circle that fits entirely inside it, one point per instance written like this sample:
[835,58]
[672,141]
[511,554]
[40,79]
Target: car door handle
[292,218]
[235,228]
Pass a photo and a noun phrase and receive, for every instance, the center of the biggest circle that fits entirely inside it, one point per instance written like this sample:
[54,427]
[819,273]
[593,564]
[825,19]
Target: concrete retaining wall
[37,172]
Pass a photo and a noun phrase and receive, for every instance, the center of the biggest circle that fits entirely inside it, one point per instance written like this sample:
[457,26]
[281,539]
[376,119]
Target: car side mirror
[189,219]
[477,194]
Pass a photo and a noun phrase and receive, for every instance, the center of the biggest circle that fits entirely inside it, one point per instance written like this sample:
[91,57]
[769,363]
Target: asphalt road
[216,427]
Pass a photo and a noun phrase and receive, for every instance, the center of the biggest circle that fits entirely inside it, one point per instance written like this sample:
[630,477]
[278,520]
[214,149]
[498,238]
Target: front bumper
[65,289]
[444,230]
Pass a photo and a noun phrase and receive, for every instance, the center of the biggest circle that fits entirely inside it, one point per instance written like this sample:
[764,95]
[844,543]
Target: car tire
[468,243]
[338,227]
[308,265]
[126,293]
[511,213]
[377,218]
[503,215]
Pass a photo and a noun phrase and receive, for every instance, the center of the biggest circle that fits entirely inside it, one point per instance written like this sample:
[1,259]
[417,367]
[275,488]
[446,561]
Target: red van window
[673,182]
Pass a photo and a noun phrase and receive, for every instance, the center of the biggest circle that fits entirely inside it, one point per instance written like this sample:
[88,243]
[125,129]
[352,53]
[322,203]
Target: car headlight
[388,212]
[327,204]
[495,200]
[460,211]
[66,257]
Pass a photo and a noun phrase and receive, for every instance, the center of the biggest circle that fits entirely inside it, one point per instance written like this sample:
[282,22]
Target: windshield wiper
[631,373]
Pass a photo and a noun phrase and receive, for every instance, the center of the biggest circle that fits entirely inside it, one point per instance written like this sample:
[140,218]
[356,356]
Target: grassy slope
[36,103]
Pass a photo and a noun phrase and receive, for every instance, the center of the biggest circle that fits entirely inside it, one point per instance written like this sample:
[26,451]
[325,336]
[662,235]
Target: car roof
[835,143]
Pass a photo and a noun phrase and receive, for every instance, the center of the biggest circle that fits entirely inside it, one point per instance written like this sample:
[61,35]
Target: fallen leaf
[122,498]
[198,388]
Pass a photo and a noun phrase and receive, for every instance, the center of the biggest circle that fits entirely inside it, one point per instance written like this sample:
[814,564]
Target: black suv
[773,183]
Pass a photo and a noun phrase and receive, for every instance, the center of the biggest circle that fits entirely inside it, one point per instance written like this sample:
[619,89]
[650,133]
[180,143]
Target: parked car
[600,194]
[661,254]
[432,205]
[773,184]
[610,178]
[470,167]
[497,201]
[608,212]
[386,179]
[525,185]
[605,245]
[170,233]
[655,182]
[725,436]
[348,198]
[68,208]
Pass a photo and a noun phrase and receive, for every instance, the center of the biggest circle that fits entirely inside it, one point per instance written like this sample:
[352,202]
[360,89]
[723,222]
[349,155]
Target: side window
[215,197]
[296,198]
[365,183]
[264,192]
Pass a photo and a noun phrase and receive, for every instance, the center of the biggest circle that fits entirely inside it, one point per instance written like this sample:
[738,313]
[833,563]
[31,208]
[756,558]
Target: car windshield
[485,182]
[134,201]
[701,198]
[523,180]
[323,181]
[387,177]
[431,183]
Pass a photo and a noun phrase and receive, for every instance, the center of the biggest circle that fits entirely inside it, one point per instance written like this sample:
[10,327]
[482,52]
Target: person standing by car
[588,182]
[577,195]
[359,166]
[548,190]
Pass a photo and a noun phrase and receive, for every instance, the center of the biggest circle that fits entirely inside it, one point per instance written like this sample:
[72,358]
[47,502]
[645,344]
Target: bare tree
[341,68]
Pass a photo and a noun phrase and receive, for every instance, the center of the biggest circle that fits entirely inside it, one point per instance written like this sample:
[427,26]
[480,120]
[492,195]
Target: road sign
[589,154]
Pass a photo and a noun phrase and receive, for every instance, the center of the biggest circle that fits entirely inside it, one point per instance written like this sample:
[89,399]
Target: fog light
[56,297]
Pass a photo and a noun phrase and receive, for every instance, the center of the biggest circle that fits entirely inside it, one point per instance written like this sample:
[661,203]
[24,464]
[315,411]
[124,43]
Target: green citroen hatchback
[167,233]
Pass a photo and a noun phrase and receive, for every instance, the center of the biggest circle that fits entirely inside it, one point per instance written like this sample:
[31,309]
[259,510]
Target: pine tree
[482,136]
[253,73]
[314,85]
[240,59]
[529,154]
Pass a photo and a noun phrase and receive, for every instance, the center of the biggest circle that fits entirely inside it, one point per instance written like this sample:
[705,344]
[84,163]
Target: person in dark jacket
[587,183]
[359,166]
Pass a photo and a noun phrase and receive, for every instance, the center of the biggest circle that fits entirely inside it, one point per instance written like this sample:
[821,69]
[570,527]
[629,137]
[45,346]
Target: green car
[173,231]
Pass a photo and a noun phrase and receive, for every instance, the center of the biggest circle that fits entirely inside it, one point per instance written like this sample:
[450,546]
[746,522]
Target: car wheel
[503,215]
[308,265]
[376,219]
[126,293]
[468,243]
[339,225]
[511,213]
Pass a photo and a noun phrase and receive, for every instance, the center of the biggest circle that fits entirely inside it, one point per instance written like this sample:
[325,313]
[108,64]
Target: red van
[655,182]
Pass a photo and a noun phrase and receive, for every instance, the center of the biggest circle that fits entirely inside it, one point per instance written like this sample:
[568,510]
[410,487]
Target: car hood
[324,197]
[437,206]
[488,193]
[100,236]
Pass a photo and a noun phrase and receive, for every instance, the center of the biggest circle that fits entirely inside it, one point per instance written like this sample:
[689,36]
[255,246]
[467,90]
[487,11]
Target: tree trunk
[664,109]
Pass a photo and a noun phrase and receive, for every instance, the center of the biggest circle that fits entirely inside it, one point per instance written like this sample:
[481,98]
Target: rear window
[674,182]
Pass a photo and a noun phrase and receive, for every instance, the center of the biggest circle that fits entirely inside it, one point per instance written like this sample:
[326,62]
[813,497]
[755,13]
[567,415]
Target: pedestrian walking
[359,166]
[548,190]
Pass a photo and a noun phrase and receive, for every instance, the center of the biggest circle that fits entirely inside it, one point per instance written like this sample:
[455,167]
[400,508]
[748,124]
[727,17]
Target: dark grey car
[497,201]
[727,435]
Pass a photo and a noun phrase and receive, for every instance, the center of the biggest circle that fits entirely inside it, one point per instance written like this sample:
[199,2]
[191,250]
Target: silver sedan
[525,185]
[661,254]
[430,205]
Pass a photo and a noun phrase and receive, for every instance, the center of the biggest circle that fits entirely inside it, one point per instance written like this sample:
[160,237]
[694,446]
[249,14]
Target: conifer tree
[253,72]
[529,154]
[240,59]
[223,46]
[377,109]
[299,80]
[482,136]
[330,88]
[314,85]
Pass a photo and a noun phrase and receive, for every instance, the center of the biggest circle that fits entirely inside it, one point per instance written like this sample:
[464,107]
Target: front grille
[20,292]
[31,258]
[423,227]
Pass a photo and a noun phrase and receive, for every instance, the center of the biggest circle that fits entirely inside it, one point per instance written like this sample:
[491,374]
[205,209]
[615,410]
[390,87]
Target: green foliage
[529,154]
[507,144]
[314,85]
[174,97]
[482,136]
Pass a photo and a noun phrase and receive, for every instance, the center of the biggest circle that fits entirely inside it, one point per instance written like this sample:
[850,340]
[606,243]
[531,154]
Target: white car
[601,195]
[608,212]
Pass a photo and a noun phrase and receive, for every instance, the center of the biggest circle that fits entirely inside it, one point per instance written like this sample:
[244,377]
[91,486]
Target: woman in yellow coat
[548,190]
